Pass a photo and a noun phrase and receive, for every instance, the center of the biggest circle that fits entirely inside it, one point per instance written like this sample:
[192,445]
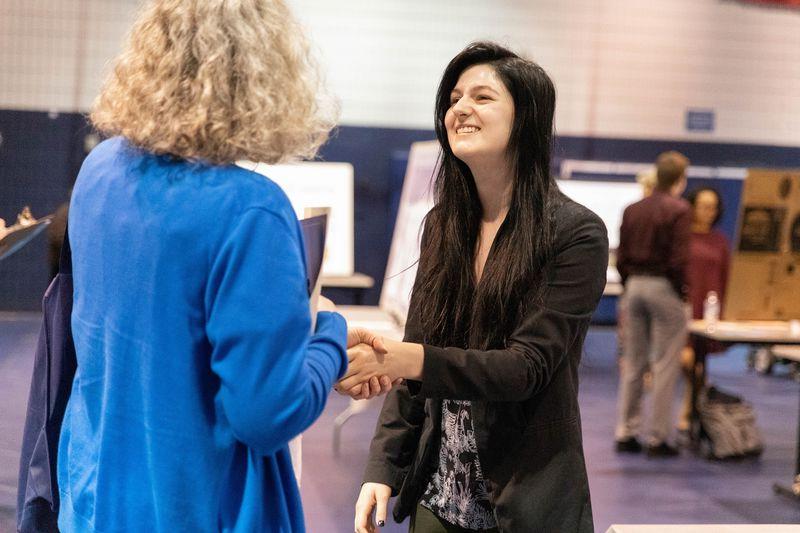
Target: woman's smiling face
[480,116]
[706,207]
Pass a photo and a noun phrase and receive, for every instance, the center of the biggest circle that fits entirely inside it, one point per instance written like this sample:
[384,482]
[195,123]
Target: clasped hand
[369,372]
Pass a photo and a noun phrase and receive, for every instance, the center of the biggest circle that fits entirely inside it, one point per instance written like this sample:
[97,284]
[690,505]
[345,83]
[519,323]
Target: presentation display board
[608,199]
[416,200]
[320,185]
[764,281]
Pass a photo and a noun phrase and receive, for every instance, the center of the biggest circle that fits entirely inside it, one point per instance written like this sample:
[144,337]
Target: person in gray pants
[651,259]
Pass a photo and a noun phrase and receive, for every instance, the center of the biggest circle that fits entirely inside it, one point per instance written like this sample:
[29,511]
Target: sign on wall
[700,120]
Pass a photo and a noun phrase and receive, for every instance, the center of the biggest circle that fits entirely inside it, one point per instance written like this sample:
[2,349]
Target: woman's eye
[481,97]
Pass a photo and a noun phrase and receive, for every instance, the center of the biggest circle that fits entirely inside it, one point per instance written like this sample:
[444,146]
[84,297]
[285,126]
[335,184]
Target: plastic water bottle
[711,309]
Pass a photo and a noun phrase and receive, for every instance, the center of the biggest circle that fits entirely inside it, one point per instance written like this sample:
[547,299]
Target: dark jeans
[425,521]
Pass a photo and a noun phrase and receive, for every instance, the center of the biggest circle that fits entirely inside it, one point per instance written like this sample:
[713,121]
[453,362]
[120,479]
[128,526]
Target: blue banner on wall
[700,120]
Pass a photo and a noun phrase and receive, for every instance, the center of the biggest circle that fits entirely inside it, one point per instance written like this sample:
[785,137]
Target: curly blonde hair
[217,80]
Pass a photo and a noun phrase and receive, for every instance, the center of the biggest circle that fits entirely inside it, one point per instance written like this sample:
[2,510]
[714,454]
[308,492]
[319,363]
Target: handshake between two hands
[373,365]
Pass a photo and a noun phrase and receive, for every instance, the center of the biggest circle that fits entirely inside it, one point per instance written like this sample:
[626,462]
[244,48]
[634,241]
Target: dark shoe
[662,450]
[629,445]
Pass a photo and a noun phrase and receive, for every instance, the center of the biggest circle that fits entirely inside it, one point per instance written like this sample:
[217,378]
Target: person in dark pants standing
[652,258]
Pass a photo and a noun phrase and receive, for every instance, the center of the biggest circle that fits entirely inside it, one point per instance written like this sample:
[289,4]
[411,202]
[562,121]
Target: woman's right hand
[373,496]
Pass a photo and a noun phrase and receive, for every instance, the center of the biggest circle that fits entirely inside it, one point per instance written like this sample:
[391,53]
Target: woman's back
[191,328]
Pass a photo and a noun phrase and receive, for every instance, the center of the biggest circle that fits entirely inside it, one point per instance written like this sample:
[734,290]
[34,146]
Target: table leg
[698,380]
[354,407]
[792,491]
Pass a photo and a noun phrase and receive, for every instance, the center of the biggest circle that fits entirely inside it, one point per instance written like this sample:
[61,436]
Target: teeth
[467,129]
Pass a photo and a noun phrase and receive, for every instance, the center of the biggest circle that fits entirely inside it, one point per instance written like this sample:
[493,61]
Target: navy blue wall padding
[713,154]
[40,157]
[53,371]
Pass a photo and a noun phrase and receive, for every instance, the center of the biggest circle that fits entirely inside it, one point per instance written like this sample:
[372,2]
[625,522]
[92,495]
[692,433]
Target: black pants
[423,520]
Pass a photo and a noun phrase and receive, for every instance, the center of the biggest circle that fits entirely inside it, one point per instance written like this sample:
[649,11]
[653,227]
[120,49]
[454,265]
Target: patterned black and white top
[456,492]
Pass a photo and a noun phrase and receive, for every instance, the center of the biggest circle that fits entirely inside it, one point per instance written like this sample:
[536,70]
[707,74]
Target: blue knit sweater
[195,362]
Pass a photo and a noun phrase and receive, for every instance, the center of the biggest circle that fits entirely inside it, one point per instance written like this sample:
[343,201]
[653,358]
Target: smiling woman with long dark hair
[485,435]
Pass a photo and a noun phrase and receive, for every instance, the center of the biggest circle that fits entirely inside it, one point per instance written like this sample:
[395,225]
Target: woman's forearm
[391,359]
[407,358]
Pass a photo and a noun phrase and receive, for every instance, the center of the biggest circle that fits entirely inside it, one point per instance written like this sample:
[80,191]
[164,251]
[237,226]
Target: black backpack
[728,425]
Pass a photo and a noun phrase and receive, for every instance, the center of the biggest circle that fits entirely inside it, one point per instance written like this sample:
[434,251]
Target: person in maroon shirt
[652,260]
[709,256]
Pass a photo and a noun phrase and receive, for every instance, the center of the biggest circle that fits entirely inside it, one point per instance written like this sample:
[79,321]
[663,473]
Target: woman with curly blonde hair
[191,316]
[217,81]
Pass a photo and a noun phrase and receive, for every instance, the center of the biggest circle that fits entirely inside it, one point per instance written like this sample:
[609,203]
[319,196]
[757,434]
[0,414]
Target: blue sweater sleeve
[274,376]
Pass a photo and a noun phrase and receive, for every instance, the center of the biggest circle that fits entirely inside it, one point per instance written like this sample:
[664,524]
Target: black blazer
[524,398]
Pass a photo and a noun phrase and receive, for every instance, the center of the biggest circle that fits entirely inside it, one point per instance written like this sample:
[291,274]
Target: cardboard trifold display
[764,282]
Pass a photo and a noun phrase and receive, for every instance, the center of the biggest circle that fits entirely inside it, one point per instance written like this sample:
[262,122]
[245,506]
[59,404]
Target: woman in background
[191,319]
[485,433]
[709,260]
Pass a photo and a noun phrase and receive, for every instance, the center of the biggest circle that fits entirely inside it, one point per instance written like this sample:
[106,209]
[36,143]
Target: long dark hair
[454,310]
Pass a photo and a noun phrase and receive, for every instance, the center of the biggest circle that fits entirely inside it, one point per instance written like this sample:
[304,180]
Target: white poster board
[325,185]
[416,200]
[608,199]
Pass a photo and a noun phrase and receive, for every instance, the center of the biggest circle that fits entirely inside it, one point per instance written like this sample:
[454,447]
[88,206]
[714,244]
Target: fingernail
[380,523]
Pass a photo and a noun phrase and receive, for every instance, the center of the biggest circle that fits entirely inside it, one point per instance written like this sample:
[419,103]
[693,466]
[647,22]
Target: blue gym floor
[625,489]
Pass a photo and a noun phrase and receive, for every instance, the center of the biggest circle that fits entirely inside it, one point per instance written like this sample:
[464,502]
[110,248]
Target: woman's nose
[461,108]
